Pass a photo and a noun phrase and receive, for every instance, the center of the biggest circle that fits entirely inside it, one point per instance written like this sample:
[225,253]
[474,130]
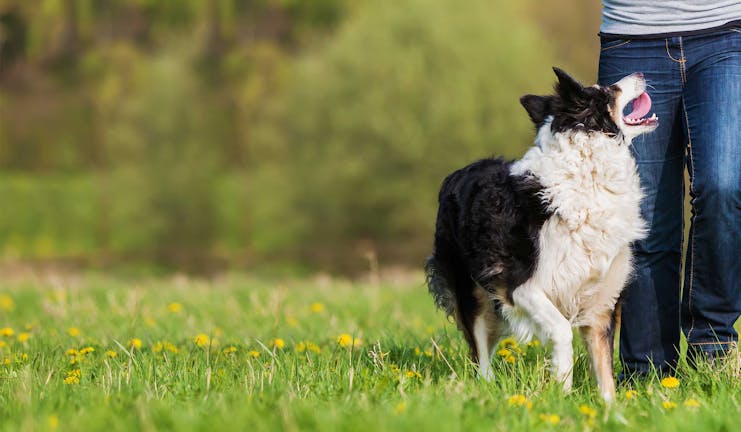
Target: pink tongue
[641,106]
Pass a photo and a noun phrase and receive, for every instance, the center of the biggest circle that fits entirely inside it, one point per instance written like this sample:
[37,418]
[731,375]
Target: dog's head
[574,107]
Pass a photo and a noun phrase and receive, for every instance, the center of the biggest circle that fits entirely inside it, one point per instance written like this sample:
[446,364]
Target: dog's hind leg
[599,341]
[599,335]
[552,325]
[487,330]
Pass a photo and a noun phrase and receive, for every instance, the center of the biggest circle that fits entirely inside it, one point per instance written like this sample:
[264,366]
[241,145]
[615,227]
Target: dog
[541,245]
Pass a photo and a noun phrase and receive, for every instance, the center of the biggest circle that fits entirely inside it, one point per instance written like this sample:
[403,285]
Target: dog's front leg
[553,325]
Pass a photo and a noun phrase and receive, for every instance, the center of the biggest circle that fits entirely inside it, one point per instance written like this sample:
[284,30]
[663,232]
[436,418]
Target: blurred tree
[407,91]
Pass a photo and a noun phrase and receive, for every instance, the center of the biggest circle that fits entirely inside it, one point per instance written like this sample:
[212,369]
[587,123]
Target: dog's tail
[452,289]
[439,287]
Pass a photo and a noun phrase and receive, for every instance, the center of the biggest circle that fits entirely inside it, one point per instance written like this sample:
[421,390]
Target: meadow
[93,351]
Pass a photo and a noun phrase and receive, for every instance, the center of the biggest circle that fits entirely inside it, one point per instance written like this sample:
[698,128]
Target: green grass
[410,371]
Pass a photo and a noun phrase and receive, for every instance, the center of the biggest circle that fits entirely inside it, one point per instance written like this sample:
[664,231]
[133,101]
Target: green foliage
[410,371]
[370,125]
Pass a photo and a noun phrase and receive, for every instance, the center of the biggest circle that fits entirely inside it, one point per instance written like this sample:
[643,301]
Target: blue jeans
[695,85]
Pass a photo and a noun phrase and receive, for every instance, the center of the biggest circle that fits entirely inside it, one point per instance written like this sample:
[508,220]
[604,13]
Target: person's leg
[711,302]
[649,329]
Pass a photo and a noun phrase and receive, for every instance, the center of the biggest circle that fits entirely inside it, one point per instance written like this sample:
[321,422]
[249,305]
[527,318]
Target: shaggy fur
[541,245]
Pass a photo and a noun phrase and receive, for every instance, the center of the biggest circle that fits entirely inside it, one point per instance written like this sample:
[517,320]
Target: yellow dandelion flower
[311,346]
[52,421]
[670,382]
[253,354]
[71,352]
[3,344]
[317,307]
[135,343]
[278,343]
[668,405]
[171,347]
[510,359]
[504,352]
[552,419]
[86,350]
[631,394]
[175,307]
[417,351]
[346,340]
[230,350]
[73,377]
[691,403]
[111,354]
[519,401]
[509,342]
[6,303]
[23,337]
[533,343]
[24,357]
[300,347]
[588,411]
[291,321]
[73,331]
[158,347]
[428,352]
[7,332]
[6,361]
[400,408]
[413,374]
[201,340]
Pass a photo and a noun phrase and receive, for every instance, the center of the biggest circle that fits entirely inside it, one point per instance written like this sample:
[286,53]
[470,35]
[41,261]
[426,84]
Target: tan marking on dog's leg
[599,346]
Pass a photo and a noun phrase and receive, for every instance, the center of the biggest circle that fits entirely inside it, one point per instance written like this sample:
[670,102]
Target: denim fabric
[695,86]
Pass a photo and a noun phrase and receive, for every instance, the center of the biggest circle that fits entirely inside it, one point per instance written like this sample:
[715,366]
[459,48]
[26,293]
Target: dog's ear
[567,86]
[538,107]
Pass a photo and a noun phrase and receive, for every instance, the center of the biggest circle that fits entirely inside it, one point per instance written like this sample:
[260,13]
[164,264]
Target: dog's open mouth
[641,107]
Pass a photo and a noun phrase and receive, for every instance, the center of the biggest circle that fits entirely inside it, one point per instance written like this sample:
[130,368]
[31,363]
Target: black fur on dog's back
[486,233]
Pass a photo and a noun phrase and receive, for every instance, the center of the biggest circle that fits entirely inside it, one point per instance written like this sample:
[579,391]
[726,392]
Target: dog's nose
[639,74]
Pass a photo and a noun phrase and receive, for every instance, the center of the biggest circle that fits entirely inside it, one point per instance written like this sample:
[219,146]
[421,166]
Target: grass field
[92,352]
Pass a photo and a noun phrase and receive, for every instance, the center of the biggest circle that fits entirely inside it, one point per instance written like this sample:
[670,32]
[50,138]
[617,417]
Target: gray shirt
[646,17]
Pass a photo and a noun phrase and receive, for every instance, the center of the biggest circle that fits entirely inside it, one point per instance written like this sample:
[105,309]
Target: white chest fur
[593,191]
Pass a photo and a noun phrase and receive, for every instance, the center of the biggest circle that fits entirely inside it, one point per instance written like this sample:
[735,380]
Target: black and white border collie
[538,246]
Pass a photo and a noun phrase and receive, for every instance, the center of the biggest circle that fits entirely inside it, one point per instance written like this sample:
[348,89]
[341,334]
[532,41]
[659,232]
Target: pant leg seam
[692,229]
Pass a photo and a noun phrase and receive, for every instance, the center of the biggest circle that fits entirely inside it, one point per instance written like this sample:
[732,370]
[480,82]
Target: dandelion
[111,354]
[533,343]
[52,421]
[23,337]
[588,411]
[428,352]
[135,343]
[552,419]
[158,347]
[6,361]
[278,343]
[254,354]
[201,340]
[6,303]
[631,394]
[400,408]
[73,331]
[311,346]
[230,350]
[175,307]
[509,342]
[7,332]
[519,401]
[345,340]
[71,352]
[668,405]
[172,348]
[73,377]
[510,359]
[691,403]
[417,351]
[504,352]
[3,344]
[413,374]
[317,307]
[670,382]
[300,347]
[86,350]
